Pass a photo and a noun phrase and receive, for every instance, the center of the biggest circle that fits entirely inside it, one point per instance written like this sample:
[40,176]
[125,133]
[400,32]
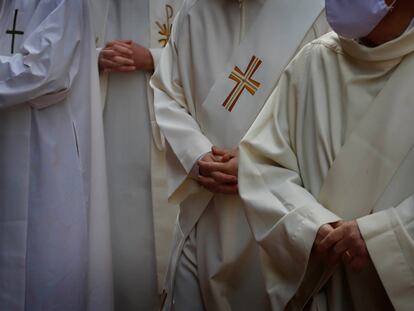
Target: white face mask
[355,19]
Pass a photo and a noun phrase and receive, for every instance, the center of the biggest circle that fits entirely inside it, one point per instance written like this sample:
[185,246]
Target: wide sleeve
[48,60]
[389,236]
[284,217]
[175,115]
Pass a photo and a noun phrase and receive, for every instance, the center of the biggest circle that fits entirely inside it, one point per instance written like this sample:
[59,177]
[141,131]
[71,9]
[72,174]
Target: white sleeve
[48,60]
[284,216]
[175,116]
[389,236]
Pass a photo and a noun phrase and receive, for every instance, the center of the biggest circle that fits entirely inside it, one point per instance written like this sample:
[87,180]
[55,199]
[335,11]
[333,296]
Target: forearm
[175,114]
[181,131]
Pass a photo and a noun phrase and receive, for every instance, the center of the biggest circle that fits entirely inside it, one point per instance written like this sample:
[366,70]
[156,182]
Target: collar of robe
[392,50]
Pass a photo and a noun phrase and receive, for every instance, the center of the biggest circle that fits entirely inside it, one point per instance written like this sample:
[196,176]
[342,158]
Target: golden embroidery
[244,81]
[165,29]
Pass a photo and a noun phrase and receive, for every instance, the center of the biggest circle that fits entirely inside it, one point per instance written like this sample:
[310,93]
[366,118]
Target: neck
[393,25]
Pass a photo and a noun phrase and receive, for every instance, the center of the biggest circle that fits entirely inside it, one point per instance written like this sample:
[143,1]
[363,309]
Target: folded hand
[219,170]
[343,243]
[117,56]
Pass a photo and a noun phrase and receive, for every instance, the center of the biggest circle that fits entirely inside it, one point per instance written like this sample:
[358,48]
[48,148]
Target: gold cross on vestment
[244,81]
[13,32]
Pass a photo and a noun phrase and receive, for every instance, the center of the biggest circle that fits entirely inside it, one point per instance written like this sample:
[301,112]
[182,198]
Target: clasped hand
[342,242]
[219,170]
[125,56]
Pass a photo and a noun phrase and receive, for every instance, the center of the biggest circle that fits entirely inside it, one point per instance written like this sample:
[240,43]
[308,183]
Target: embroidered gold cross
[165,29]
[244,81]
[13,32]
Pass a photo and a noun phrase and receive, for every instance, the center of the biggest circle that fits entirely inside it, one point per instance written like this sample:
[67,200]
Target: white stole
[226,128]
[375,149]
[241,90]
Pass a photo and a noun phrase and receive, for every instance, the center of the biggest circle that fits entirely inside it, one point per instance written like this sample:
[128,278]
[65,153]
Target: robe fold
[334,142]
[205,36]
[54,227]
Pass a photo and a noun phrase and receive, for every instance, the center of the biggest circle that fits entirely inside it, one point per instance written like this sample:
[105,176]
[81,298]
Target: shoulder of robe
[313,54]
[188,5]
[181,17]
[196,7]
[329,41]
[325,46]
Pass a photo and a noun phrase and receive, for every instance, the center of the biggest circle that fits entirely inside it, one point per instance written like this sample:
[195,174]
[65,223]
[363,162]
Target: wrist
[148,64]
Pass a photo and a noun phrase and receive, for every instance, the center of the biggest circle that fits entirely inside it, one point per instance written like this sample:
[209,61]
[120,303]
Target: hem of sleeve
[289,245]
[189,159]
[382,233]
[98,51]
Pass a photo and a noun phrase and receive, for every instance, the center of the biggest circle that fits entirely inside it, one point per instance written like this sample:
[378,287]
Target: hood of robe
[392,50]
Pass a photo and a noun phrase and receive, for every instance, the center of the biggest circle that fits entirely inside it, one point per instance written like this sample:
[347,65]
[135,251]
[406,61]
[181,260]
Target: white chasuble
[54,226]
[142,221]
[338,146]
[209,87]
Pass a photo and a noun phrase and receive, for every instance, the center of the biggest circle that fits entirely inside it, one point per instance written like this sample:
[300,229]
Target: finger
[337,224]
[123,49]
[358,248]
[332,238]
[325,230]
[219,151]
[224,178]
[124,69]
[346,257]
[341,246]
[212,166]
[227,157]
[322,233]
[107,64]
[108,53]
[228,189]
[207,182]
[126,43]
[123,61]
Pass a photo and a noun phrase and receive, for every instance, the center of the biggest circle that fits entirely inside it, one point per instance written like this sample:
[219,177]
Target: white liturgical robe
[335,141]
[205,37]
[140,215]
[54,226]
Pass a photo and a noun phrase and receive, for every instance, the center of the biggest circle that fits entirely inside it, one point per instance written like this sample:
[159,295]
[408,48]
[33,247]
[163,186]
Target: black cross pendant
[13,32]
